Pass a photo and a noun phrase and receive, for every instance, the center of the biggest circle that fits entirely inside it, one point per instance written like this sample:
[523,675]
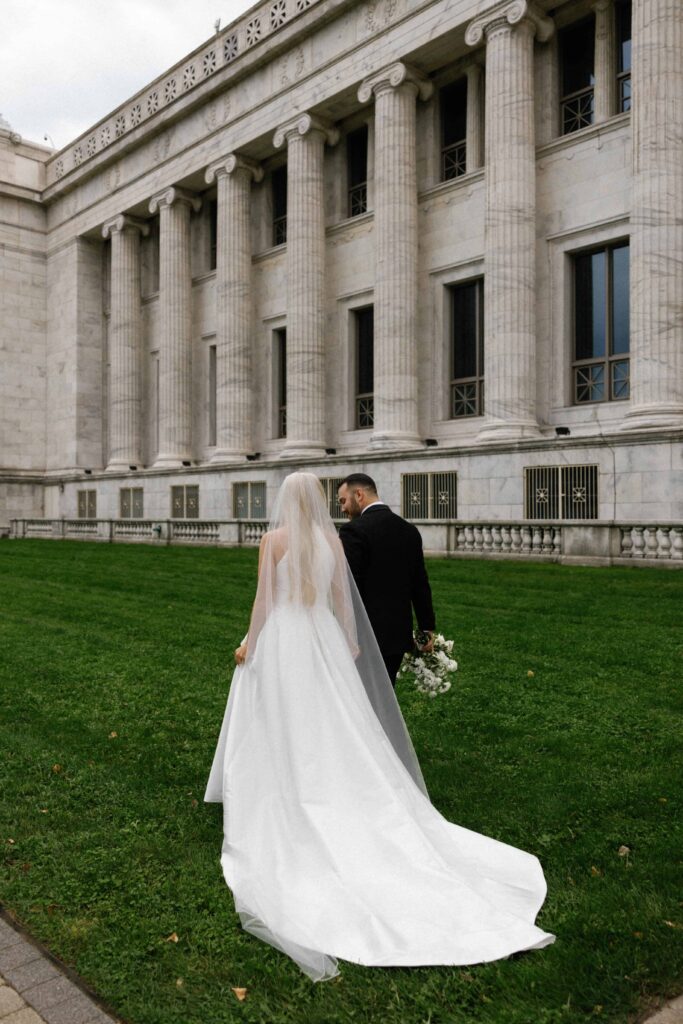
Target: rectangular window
[280,356]
[622,12]
[453,107]
[429,495]
[577,58]
[601,325]
[213,233]
[87,504]
[364,338]
[212,396]
[279,197]
[249,500]
[561,492]
[130,503]
[357,171]
[467,349]
[331,485]
[185,501]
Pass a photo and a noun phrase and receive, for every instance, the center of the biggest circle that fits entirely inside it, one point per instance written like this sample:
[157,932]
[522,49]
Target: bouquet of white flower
[431,669]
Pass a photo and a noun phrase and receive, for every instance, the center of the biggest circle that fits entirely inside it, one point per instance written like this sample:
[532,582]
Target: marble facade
[138,327]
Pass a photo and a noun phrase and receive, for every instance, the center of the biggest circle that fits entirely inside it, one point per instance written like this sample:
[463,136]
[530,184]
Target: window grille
[331,485]
[131,503]
[279,197]
[365,403]
[601,368]
[623,25]
[467,349]
[249,500]
[87,504]
[185,501]
[577,53]
[453,107]
[561,492]
[357,171]
[429,495]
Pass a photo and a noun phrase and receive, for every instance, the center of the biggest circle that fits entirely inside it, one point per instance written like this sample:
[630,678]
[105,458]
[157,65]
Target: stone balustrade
[597,543]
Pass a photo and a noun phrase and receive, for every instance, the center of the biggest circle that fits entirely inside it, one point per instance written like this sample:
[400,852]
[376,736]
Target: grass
[114,670]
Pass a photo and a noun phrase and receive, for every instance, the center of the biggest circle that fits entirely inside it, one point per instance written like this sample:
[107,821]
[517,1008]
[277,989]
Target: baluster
[478,537]
[626,543]
[537,540]
[677,544]
[497,538]
[557,540]
[665,542]
[526,540]
[487,538]
[506,538]
[638,542]
[651,541]
[460,540]
[469,538]
[547,546]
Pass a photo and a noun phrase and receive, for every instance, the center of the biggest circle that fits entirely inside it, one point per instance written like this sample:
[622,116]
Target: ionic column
[475,135]
[395,90]
[125,435]
[234,176]
[605,60]
[175,325]
[657,216]
[510,245]
[305,138]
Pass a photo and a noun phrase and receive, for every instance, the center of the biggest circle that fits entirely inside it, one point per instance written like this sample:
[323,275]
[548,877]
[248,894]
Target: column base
[228,457]
[394,440]
[122,465]
[509,430]
[303,450]
[170,461]
[653,417]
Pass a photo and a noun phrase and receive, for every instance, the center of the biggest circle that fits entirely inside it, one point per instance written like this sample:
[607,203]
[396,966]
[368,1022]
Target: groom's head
[355,492]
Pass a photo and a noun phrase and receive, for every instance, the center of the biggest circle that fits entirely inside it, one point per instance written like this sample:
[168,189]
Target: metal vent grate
[561,492]
[429,495]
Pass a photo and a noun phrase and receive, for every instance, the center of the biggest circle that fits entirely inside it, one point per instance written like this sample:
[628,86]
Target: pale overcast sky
[64,64]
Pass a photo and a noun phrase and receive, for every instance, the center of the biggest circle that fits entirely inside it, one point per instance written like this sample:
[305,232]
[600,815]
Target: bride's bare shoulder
[276,541]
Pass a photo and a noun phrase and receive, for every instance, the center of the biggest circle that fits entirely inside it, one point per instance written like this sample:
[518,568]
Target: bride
[332,847]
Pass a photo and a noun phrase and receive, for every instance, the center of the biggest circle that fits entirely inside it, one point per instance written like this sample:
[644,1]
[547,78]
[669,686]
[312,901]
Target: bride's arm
[241,652]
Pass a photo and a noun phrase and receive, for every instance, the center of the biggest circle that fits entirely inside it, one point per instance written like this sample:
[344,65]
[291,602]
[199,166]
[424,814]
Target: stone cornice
[173,195]
[230,164]
[303,125]
[511,12]
[124,223]
[392,77]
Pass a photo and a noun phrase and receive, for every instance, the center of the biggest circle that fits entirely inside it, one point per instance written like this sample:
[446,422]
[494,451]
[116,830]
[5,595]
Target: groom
[385,556]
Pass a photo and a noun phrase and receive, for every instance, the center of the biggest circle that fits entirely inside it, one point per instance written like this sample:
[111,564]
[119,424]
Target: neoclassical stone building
[440,241]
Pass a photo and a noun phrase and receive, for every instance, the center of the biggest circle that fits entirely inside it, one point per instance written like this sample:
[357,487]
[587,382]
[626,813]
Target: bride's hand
[241,654]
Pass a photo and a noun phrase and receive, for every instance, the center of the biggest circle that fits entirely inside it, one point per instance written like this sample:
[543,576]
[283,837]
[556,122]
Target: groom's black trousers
[393,664]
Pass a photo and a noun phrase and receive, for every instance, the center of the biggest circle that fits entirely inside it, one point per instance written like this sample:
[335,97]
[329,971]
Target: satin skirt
[330,849]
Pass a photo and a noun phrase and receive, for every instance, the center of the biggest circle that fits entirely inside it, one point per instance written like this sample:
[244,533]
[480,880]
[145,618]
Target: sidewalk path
[34,989]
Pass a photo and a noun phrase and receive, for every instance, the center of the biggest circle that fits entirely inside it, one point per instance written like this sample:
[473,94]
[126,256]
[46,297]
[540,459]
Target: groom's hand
[429,646]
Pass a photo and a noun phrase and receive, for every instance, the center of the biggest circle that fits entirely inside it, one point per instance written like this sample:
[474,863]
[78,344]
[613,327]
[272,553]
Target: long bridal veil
[302,534]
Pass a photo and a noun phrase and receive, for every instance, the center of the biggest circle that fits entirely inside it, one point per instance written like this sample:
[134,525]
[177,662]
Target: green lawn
[114,670]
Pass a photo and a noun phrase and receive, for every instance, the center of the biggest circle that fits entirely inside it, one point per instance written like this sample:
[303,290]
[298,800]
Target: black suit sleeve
[355,549]
[421,595]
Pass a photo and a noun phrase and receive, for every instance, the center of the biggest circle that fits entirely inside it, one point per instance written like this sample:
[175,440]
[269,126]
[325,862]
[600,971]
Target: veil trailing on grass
[302,536]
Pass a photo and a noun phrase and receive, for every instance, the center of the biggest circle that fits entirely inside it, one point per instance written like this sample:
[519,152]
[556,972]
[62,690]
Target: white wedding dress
[331,849]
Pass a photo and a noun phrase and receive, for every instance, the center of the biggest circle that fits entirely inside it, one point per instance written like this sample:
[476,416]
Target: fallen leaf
[595,872]
[663,800]
[637,935]
[597,1008]
[173,937]
[530,674]
[11,842]
[56,768]
[195,803]
[241,993]
[43,810]
[624,851]
[113,735]
[25,867]
[179,982]
[673,924]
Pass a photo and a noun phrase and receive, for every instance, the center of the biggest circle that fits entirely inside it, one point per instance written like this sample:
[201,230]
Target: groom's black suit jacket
[385,556]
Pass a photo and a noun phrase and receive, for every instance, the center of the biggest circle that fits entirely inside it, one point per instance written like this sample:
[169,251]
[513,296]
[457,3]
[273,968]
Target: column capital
[302,125]
[124,222]
[392,77]
[510,12]
[232,164]
[602,5]
[171,196]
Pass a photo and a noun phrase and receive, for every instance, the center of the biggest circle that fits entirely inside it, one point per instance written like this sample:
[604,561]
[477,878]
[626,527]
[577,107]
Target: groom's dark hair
[360,480]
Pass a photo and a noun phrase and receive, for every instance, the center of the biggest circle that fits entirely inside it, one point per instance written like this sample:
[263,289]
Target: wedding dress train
[331,849]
